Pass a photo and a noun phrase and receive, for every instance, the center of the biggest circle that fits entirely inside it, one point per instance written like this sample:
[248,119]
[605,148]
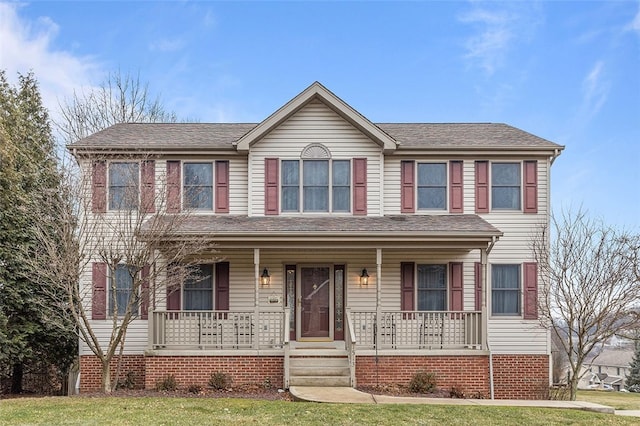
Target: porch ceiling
[454,231]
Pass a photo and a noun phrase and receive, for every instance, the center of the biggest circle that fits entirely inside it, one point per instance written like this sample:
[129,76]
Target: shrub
[267,383]
[167,383]
[219,380]
[422,382]
[196,389]
[127,382]
[456,392]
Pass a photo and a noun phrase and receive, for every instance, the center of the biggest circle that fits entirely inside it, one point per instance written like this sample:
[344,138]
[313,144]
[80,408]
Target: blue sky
[566,71]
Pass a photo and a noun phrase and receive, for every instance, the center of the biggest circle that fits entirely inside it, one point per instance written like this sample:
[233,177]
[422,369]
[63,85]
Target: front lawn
[190,411]
[617,400]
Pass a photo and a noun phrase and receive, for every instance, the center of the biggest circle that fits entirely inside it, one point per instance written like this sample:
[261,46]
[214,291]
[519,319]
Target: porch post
[378,294]
[256,298]
[485,294]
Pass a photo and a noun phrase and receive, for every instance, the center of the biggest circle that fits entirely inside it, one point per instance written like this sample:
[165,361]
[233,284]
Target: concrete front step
[319,381]
[319,371]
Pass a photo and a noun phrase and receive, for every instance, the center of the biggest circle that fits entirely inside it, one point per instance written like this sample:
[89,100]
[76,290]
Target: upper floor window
[432,186]
[321,186]
[505,186]
[198,186]
[124,180]
[121,289]
[432,287]
[505,289]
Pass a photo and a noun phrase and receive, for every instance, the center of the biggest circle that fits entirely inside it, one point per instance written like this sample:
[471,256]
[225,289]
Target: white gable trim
[318,91]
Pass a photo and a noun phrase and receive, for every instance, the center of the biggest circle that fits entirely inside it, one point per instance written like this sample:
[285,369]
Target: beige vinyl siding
[517,337]
[238,172]
[315,123]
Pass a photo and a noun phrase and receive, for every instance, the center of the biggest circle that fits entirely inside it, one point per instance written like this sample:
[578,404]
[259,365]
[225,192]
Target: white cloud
[635,24]
[26,45]
[497,31]
[595,89]
[167,45]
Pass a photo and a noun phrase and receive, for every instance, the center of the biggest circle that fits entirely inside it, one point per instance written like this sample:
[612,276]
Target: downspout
[486,319]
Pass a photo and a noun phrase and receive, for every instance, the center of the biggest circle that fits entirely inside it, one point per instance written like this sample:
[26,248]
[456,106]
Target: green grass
[189,411]
[617,400]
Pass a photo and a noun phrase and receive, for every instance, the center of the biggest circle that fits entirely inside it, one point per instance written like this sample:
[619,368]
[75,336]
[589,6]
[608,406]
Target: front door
[315,303]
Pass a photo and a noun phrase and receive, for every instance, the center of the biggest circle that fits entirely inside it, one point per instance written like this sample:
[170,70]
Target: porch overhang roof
[453,231]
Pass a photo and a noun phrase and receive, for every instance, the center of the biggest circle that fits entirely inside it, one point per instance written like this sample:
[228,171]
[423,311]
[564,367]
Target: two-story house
[352,252]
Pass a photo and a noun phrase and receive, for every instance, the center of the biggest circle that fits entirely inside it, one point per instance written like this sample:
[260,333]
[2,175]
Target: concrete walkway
[350,395]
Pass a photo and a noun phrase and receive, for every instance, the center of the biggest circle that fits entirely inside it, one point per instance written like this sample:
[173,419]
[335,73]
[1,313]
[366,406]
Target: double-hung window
[432,287]
[321,185]
[120,289]
[198,289]
[505,186]
[124,180]
[505,289]
[198,186]
[432,186]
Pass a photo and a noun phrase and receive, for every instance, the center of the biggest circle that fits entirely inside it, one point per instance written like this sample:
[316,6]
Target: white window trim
[330,188]
[519,315]
[447,187]
[108,181]
[490,171]
[197,210]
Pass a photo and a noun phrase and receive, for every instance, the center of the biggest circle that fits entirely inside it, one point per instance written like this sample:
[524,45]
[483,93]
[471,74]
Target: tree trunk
[106,376]
[16,378]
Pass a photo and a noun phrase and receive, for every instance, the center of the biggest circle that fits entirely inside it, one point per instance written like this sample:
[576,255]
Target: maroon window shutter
[148,186]
[222,186]
[99,297]
[222,286]
[477,273]
[359,186]
[271,182]
[456,292]
[173,186]
[482,187]
[456,187]
[144,292]
[99,187]
[531,186]
[174,288]
[530,290]
[407,187]
[407,271]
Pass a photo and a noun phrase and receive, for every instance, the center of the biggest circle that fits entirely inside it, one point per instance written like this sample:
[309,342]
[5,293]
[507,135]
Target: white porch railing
[233,330]
[216,330]
[418,330]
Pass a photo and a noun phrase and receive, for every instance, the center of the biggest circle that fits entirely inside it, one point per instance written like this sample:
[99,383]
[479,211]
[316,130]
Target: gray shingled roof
[221,136]
[462,135]
[393,226]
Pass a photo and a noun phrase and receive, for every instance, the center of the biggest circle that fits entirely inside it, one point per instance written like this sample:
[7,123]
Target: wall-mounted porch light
[364,278]
[265,278]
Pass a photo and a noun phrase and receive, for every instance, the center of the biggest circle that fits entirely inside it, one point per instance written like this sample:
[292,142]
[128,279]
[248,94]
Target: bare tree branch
[590,281]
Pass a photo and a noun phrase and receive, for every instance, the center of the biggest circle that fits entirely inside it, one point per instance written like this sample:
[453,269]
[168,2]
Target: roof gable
[318,92]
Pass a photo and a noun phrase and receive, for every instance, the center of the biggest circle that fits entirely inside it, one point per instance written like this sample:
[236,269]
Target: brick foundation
[521,376]
[91,371]
[515,376]
[196,370]
[469,373]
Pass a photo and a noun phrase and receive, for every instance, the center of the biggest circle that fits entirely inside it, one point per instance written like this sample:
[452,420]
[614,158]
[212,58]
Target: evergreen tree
[633,378]
[28,172]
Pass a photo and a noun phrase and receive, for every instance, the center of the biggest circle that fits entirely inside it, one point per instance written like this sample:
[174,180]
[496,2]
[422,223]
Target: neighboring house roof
[447,229]
[618,357]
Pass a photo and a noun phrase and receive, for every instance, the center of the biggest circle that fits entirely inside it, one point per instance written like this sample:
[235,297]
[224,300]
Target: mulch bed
[401,390]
